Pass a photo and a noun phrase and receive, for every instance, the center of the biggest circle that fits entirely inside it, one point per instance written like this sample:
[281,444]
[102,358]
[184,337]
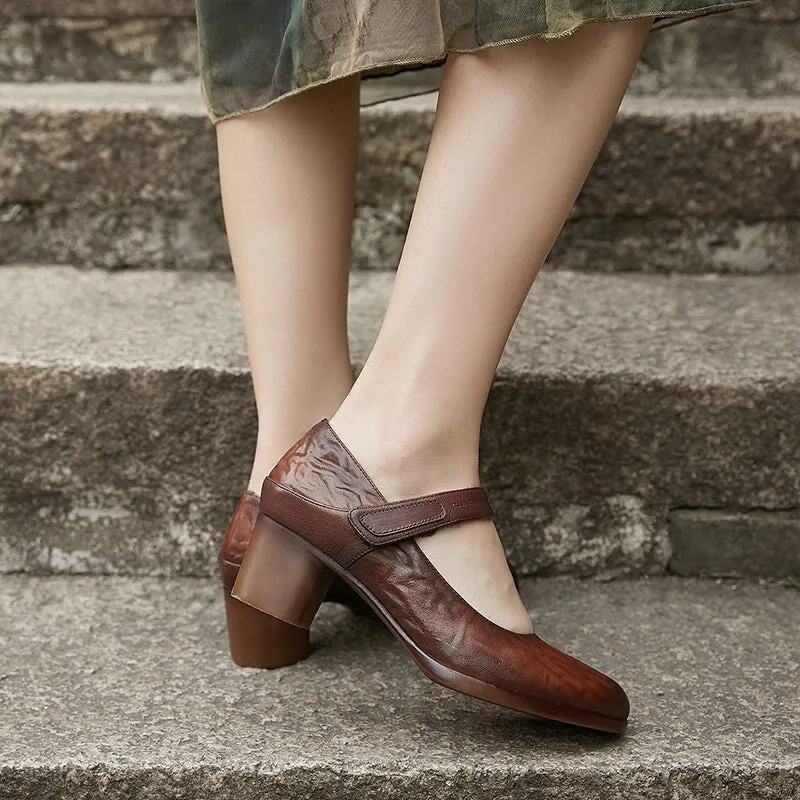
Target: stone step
[100,40]
[747,51]
[122,688]
[635,420]
[122,176]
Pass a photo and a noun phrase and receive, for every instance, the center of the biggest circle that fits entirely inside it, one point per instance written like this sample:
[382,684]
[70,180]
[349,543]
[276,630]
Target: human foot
[468,555]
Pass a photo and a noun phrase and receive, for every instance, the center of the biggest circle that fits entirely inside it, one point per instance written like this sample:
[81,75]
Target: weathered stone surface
[145,157]
[730,543]
[124,9]
[749,50]
[699,158]
[192,238]
[149,235]
[123,689]
[678,245]
[91,131]
[127,422]
[721,55]
[92,49]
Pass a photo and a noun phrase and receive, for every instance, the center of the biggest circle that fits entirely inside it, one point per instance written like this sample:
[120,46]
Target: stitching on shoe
[442,515]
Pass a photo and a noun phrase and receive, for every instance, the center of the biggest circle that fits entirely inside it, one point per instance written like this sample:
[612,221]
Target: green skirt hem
[383,68]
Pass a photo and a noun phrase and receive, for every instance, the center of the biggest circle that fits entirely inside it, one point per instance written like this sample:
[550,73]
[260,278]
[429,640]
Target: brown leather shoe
[257,639]
[322,515]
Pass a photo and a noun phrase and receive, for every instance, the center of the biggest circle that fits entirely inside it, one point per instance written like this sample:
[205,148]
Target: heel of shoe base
[280,577]
[260,641]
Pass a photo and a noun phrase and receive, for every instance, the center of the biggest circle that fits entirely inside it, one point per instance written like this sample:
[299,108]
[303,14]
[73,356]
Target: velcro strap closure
[392,522]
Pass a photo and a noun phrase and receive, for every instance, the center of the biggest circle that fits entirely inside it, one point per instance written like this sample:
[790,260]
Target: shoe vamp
[447,629]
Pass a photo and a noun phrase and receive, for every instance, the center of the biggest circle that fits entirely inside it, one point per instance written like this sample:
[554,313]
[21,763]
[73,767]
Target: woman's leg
[288,190]
[517,129]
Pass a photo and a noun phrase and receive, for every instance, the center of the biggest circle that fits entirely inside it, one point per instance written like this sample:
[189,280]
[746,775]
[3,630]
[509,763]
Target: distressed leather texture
[237,537]
[234,546]
[322,467]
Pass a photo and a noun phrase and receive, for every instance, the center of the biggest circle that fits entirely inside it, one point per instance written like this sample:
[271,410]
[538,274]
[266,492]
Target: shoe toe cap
[609,698]
[576,684]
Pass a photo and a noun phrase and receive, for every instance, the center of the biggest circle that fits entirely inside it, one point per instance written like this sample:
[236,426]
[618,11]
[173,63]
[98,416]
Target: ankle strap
[392,522]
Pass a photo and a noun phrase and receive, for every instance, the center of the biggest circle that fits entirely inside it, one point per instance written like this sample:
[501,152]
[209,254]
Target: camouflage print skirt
[255,52]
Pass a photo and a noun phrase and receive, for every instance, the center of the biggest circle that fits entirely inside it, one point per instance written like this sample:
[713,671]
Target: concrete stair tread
[184,97]
[126,177]
[180,97]
[127,422]
[677,328]
[123,687]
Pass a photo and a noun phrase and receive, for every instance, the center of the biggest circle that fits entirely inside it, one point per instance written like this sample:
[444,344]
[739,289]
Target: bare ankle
[277,432]
[406,456]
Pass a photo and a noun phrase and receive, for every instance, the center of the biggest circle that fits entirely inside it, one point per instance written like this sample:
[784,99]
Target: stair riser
[721,55]
[300,783]
[193,238]
[751,51]
[141,475]
[86,49]
[676,188]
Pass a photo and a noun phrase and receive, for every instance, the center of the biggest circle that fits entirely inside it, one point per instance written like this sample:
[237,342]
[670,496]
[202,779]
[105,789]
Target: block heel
[280,577]
[260,641]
